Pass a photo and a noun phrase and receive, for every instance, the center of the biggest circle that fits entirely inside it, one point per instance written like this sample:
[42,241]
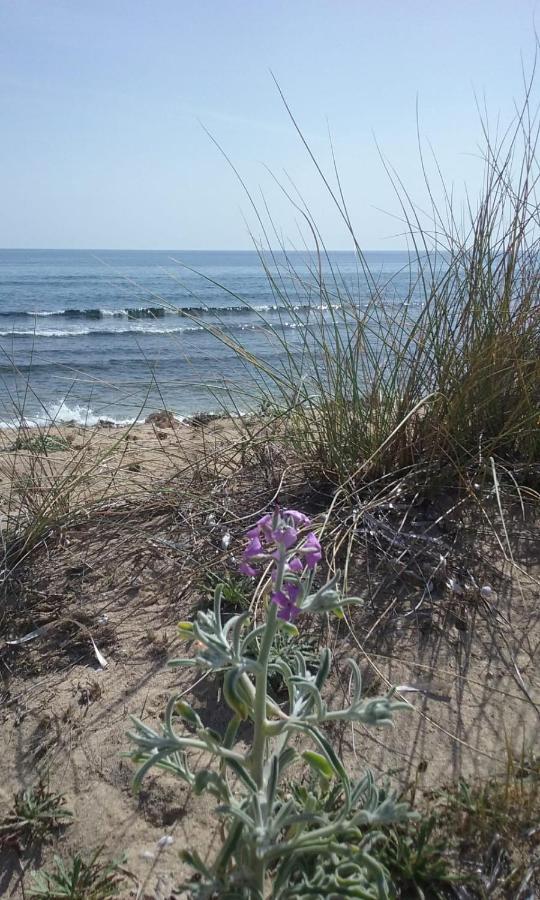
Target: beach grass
[446,376]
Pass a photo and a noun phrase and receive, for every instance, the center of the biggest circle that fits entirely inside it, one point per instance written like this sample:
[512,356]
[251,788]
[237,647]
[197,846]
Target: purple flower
[275,534]
[295,565]
[311,550]
[285,534]
[262,527]
[285,599]
[293,590]
[298,518]
[254,548]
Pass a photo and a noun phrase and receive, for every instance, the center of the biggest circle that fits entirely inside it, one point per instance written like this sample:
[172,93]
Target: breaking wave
[158,312]
[60,413]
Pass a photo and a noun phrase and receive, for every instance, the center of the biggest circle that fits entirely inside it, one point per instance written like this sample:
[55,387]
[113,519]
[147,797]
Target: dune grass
[447,374]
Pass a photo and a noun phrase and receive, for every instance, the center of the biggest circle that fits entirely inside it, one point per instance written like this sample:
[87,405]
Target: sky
[106,105]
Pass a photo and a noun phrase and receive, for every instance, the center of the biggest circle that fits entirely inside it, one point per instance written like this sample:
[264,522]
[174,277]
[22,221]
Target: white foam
[35,332]
[77,332]
[60,413]
[144,329]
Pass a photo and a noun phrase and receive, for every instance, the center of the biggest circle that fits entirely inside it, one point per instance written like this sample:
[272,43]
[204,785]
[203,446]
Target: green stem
[272,709]
[260,722]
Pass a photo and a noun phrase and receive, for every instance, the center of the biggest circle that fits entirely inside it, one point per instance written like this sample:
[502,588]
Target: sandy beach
[90,620]
[106,461]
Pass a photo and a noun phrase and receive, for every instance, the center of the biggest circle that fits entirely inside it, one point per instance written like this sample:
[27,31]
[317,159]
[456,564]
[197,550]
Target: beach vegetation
[265,830]
[36,815]
[441,378]
[79,878]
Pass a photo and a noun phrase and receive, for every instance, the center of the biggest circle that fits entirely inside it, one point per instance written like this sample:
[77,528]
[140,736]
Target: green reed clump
[373,381]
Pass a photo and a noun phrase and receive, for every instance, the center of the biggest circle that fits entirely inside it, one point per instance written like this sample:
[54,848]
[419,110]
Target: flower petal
[279,598]
[297,517]
[288,613]
[285,535]
[311,550]
[293,590]
[254,548]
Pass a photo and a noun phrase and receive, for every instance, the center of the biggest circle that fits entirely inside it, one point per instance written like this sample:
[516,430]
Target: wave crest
[160,312]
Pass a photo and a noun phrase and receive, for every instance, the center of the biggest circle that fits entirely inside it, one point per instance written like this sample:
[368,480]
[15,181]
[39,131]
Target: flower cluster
[280,539]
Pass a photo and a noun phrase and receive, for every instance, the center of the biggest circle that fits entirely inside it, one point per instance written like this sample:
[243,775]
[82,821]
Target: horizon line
[193,250]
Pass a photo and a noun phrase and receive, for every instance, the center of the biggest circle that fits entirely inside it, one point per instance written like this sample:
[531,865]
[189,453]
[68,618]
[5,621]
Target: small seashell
[226,540]
[487,592]
[165,841]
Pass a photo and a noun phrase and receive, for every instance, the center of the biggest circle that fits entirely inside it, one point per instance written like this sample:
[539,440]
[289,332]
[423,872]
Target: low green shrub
[270,831]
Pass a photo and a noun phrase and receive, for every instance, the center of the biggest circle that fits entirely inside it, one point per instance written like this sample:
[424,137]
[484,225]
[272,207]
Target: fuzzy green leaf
[319,764]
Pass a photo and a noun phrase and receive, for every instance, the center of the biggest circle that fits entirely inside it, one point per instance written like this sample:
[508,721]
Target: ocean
[88,335]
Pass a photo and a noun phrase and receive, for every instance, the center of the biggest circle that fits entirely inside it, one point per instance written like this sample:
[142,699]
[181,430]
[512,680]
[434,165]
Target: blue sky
[101,104]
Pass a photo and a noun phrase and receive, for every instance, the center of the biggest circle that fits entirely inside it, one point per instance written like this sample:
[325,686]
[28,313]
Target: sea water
[88,335]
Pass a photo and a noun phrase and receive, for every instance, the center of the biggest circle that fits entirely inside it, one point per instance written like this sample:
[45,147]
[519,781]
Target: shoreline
[92,420]
[103,462]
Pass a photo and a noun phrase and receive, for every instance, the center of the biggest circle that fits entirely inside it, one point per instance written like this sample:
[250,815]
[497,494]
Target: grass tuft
[37,814]
[416,859]
[79,879]
[41,443]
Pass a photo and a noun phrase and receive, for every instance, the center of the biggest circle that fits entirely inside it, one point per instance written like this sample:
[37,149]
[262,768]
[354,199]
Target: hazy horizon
[193,250]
